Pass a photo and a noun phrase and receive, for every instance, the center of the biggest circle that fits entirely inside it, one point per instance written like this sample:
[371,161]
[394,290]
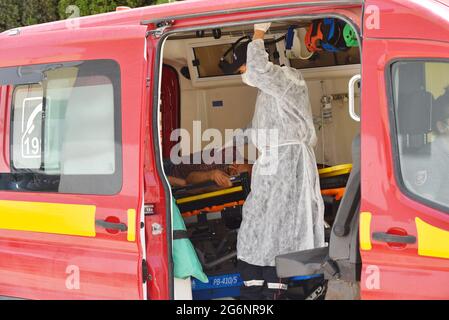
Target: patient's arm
[219,177]
[176,182]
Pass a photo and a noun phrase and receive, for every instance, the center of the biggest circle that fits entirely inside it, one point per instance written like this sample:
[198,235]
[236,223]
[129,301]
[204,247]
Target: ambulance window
[65,133]
[27,119]
[207,58]
[420,94]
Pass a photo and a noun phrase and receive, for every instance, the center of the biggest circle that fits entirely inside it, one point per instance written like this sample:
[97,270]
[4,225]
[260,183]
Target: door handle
[351,96]
[112,225]
[393,238]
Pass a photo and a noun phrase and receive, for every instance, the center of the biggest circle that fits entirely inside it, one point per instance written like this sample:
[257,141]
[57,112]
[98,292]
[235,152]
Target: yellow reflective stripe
[365,231]
[67,219]
[131,225]
[432,241]
[209,195]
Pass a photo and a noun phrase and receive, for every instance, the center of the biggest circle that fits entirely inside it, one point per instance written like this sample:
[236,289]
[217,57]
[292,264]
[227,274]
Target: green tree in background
[38,11]
[9,14]
[89,7]
[16,13]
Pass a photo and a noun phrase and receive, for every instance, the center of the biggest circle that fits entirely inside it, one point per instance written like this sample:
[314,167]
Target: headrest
[440,111]
[415,112]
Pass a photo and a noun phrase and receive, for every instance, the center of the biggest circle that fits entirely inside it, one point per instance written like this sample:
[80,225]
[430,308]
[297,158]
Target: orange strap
[213,209]
[337,193]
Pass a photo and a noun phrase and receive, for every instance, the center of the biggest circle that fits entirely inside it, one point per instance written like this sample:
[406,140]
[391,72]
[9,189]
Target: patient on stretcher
[195,174]
[205,187]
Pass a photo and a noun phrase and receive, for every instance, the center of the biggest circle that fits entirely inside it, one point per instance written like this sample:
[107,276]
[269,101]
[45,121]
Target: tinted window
[421,109]
[65,130]
[207,58]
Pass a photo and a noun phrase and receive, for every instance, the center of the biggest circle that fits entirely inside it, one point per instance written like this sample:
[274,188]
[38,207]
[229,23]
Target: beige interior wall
[338,135]
[238,108]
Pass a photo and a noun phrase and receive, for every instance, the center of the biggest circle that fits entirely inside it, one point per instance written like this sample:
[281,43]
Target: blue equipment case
[227,286]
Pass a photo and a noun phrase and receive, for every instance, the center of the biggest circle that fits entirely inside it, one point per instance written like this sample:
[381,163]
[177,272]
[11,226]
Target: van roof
[445,2]
[138,15]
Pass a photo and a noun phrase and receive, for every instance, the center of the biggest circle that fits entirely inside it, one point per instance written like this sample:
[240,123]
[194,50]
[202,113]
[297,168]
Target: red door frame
[157,190]
[389,272]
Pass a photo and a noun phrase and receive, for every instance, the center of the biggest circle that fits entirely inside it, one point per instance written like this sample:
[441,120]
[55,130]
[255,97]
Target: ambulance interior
[194,88]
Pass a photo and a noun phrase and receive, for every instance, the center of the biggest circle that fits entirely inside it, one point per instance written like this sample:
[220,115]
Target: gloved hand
[262,26]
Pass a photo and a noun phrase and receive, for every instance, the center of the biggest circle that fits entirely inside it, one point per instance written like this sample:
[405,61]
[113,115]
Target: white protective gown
[284,212]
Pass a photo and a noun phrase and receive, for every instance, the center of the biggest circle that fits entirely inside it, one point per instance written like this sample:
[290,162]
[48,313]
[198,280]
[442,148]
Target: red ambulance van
[86,110]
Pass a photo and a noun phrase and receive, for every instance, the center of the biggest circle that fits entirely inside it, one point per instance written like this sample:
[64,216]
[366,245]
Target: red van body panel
[37,265]
[408,30]
[157,223]
[403,273]
[424,20]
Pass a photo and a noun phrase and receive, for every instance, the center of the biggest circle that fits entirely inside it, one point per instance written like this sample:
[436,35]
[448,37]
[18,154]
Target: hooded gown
[284,212]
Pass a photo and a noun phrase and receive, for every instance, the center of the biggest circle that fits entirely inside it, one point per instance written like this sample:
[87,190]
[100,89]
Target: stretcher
[335,177]
[207,197]
[196,199]
[339,170]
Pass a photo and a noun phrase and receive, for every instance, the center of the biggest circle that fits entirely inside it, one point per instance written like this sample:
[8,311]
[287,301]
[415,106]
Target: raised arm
[262,73]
